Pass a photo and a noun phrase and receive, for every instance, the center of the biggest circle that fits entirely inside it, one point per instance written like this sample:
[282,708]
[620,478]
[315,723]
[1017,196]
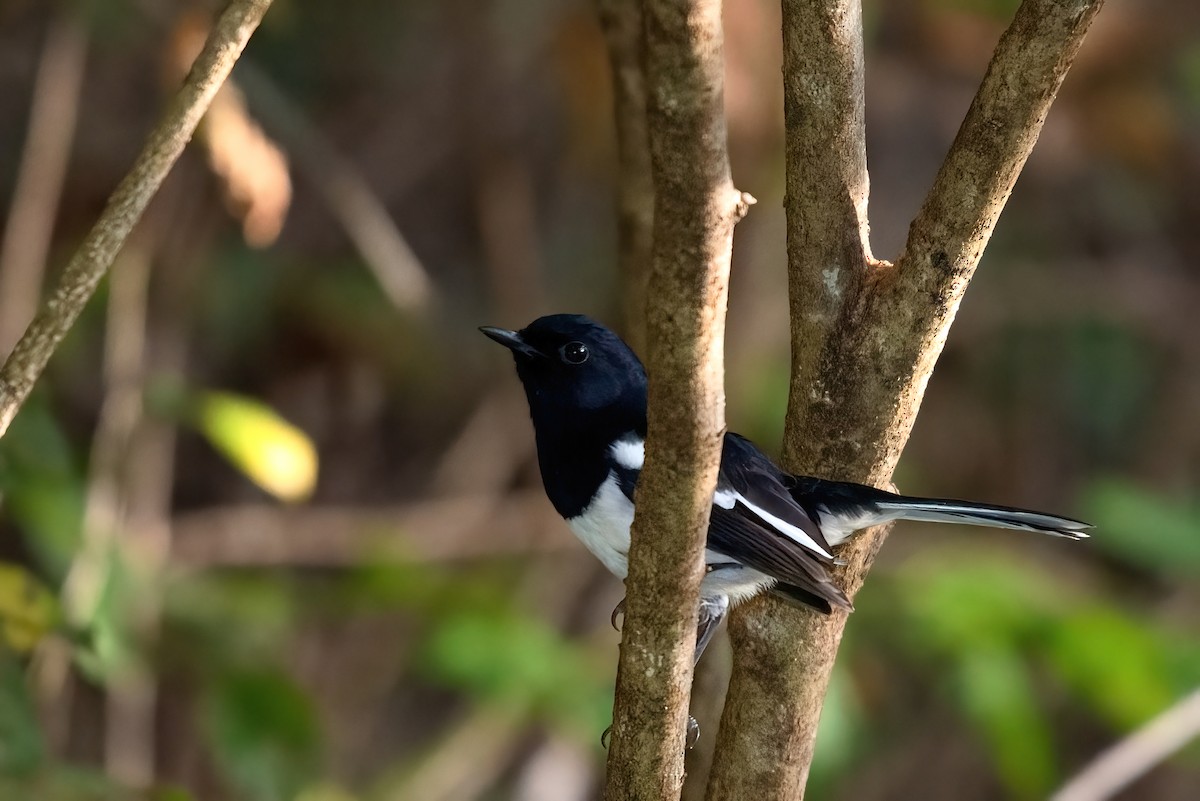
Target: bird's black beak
[511,340]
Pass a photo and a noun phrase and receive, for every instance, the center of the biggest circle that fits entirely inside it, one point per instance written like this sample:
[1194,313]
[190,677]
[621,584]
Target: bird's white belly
[603,527]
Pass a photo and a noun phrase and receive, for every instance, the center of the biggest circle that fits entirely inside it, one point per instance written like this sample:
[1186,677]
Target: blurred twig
[348,195]
[490,735]
[40,176]
[79,280]
[503,183]
[621,21]
[448,528]
[1123,763]
[488,450]
[129,742]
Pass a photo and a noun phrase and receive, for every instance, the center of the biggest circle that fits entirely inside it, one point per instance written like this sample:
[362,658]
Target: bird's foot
[618,611]
[605,736]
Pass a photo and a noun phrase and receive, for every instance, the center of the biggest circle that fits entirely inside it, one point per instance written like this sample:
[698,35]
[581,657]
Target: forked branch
[867,334]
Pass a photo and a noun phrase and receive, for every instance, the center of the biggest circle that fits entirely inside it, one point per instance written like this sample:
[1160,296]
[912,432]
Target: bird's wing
[755,521]
[749,484]
[749,543]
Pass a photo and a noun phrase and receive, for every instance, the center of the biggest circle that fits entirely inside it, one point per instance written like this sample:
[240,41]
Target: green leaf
[198,609]
[263,732]
[325,792]
[21,749]
[43,487]
[1118,664]
[997,694]
[1144,528]
[960,601]
[112,644]
[504,657]
[841,728]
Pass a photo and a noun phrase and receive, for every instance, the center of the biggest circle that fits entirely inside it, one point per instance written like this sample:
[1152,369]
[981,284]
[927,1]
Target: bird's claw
[605,736]
[618,611]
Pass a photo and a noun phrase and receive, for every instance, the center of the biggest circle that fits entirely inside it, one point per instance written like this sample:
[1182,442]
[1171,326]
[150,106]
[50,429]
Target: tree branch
[695,211]
[82,274]
[866,333]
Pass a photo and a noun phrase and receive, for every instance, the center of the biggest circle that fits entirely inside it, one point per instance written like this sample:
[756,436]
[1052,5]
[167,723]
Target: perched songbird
[768,529]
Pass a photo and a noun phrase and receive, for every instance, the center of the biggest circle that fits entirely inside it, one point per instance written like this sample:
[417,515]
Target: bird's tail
[935,510]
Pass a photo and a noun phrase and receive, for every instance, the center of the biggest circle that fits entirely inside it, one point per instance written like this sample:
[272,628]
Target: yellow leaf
[272,452]
[27,608]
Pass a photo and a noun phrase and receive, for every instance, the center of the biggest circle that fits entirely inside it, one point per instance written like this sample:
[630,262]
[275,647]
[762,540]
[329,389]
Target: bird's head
[571,365]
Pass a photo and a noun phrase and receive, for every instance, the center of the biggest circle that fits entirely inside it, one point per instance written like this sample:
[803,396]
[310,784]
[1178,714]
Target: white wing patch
[777,523]
[629,453]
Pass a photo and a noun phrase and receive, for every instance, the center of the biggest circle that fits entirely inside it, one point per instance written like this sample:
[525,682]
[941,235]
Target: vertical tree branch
[867,334]
[829,260]
[695,212]
[225,44]
[621,21]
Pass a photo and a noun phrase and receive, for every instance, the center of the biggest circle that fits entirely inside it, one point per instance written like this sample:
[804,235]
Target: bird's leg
[712,612]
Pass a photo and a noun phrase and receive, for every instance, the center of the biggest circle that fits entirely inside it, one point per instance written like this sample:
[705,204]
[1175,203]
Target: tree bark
[694,215]
[866,334]
[89,264]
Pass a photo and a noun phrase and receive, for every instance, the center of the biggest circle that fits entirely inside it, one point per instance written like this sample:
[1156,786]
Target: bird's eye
[574,353]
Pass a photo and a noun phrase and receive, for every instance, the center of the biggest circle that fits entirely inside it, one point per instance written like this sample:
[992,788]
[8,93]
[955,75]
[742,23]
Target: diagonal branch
[89,264]
[694,215]
[1124,762]
[866,333]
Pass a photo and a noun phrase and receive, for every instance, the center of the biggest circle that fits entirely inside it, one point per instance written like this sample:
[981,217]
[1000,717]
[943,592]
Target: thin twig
[89,264]
[30,226]
[1123,763]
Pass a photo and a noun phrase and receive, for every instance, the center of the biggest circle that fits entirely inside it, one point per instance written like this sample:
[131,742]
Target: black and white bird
[769,530]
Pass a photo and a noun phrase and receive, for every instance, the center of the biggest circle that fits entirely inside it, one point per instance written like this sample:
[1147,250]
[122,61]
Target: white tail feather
[981,515]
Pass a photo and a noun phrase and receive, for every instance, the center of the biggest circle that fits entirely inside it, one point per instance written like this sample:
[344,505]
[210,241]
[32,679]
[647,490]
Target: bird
[768,530]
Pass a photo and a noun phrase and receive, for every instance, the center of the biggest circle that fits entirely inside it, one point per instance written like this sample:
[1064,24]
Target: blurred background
[271,526]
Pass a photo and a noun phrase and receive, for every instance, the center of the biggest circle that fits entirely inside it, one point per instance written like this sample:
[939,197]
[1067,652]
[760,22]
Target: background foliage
[271,527]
